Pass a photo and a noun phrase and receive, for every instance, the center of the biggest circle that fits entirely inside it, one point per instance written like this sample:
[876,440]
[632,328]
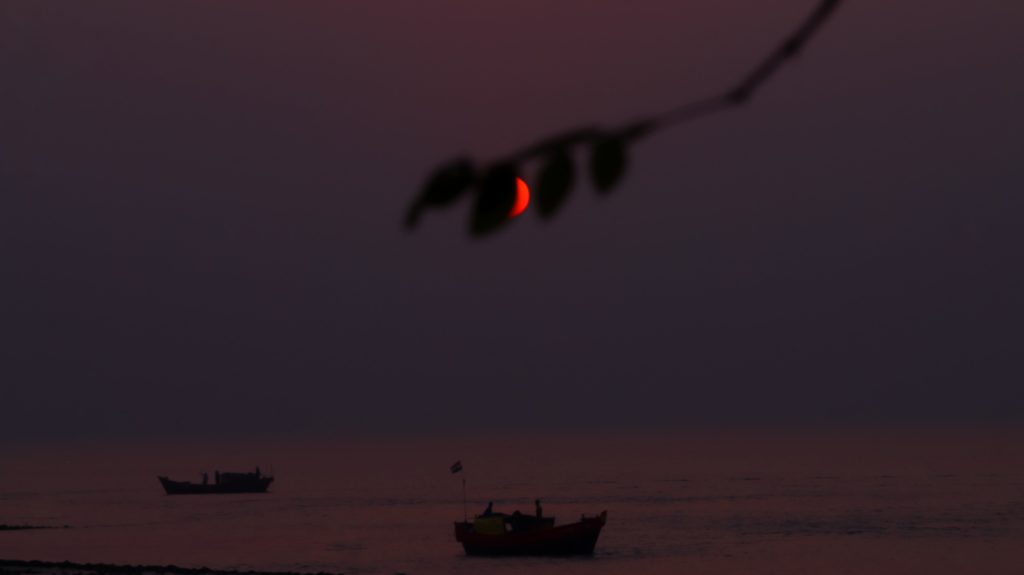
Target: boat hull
[572,539]
[253,485]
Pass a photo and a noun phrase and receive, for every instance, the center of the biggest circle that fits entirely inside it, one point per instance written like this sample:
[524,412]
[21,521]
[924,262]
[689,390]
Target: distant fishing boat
[517,534]
[228,482]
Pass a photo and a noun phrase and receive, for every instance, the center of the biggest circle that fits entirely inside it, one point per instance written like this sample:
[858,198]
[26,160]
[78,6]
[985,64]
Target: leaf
[608,162]
[448,182]
[496,195]
[443,187]
[554,183]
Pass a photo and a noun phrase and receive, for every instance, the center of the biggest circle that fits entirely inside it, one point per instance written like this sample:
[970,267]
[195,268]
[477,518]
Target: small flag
[456,467]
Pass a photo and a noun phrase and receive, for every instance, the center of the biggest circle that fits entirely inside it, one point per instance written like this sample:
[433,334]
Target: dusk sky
[201,206]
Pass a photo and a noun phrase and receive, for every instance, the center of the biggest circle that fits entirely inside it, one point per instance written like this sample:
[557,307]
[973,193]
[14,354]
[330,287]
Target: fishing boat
[228,482]
[517,534]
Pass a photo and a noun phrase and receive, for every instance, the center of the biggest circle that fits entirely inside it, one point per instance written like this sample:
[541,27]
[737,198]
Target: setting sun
[522,198]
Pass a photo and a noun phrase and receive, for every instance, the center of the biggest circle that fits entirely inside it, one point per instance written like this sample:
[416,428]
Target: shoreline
[70,568]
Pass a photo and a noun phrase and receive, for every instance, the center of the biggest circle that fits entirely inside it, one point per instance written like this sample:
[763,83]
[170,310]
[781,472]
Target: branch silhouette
[494,183]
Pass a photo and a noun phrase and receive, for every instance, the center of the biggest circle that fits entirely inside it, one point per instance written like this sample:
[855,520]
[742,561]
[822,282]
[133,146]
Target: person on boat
[206,478]
[216,477]
[490,509]
[257,472]
[540,510]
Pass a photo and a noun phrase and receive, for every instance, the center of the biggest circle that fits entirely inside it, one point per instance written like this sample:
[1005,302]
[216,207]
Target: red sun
[522,198]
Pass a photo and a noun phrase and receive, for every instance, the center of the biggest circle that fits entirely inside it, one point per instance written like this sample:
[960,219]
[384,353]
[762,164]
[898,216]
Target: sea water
[756,501]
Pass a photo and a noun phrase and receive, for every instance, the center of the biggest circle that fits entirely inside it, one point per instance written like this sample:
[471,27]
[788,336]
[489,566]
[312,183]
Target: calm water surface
[780,502]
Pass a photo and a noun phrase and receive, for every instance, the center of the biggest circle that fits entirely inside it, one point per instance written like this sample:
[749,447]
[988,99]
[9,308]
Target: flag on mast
[456,467]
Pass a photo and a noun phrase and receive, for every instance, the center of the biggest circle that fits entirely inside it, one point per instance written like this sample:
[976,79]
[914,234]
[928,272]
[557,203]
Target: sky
[201,205]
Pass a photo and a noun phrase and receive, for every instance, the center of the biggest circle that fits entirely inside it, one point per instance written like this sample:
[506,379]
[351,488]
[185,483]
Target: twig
[495,182]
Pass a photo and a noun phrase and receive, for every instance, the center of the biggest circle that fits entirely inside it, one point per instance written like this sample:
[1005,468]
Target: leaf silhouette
[554,183]
[608,162]
[443,187]
[496,195]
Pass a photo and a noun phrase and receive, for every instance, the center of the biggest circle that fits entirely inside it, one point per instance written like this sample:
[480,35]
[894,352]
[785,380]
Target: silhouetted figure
[206,478]
[540,510]
[216,477]
[490,509]
[257,471]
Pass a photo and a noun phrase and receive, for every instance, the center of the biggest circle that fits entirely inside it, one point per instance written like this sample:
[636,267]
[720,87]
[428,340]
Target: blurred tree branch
[494,183]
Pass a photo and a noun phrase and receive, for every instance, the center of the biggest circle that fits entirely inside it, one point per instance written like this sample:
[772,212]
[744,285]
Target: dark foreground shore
[68,568]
